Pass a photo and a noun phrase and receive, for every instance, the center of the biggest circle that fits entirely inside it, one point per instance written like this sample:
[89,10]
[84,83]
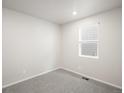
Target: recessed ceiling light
[74,13]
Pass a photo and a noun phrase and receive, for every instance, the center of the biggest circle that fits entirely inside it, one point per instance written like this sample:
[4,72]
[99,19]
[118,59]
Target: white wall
[30,46]
[108,67]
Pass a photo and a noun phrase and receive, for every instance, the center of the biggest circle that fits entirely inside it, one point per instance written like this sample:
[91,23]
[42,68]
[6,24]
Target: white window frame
[80,41]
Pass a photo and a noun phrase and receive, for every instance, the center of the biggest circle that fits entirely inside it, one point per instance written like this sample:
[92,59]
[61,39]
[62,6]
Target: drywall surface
[107,67]
[30,46]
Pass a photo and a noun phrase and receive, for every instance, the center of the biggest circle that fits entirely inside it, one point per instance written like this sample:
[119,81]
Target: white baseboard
[16,82]
[101,81]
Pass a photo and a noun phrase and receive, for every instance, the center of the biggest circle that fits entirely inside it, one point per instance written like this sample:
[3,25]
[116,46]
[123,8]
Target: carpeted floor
[60,81]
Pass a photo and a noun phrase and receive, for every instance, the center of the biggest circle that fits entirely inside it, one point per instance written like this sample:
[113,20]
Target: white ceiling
[60,11]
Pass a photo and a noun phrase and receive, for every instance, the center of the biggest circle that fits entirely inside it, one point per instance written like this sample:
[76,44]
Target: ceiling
[60,11]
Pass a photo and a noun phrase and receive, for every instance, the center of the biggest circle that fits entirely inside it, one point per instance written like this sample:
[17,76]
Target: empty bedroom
[61,46]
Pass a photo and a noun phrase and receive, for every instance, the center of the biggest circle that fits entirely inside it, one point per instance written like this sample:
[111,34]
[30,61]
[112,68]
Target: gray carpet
[60,81]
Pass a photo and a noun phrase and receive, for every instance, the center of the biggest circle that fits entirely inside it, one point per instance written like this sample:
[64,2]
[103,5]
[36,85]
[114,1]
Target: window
[88,41]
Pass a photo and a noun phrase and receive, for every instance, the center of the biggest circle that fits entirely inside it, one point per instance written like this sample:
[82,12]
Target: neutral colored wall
[30,46]
[108,67]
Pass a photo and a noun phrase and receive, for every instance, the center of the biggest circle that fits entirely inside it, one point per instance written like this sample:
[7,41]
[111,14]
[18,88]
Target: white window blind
[88,41]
